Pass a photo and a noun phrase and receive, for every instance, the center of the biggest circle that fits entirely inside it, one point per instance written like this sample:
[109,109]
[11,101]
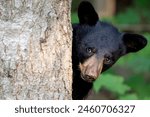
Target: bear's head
[99,45]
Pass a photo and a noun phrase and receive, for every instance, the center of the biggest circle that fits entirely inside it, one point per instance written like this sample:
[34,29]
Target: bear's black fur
[96,47]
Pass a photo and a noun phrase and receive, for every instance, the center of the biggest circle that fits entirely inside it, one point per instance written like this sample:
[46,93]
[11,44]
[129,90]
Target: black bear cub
[96,47]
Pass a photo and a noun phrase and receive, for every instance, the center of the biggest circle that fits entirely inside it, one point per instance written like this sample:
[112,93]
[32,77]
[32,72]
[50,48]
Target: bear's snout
[91,68]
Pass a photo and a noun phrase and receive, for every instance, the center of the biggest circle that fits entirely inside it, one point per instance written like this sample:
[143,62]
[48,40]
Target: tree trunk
[35,49]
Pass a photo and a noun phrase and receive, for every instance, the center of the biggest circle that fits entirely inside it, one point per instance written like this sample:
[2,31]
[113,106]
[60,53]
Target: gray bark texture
[35,49]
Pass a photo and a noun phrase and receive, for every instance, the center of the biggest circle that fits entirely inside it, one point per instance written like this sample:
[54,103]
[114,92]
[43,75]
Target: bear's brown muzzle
[91,68]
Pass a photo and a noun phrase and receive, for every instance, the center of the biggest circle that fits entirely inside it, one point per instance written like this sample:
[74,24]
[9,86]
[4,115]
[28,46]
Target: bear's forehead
[101,39]
[101,32]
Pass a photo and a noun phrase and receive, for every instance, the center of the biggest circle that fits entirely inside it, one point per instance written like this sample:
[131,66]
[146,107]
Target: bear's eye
[107,60]
[90,50]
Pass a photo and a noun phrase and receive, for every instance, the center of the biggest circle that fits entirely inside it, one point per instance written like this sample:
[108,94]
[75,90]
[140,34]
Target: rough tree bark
[35,49]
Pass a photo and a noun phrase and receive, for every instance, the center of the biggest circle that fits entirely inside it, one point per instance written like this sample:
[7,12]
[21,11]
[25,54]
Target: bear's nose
[90,78]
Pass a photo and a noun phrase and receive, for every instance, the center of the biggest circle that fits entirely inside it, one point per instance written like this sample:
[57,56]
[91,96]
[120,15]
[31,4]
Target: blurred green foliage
[112,83]
[142,3]
[138,13]
[130,16]
[74,18]
[134,83]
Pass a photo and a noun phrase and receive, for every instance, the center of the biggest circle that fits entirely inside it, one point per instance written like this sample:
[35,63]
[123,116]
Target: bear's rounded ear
[134,42]
[87,14]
